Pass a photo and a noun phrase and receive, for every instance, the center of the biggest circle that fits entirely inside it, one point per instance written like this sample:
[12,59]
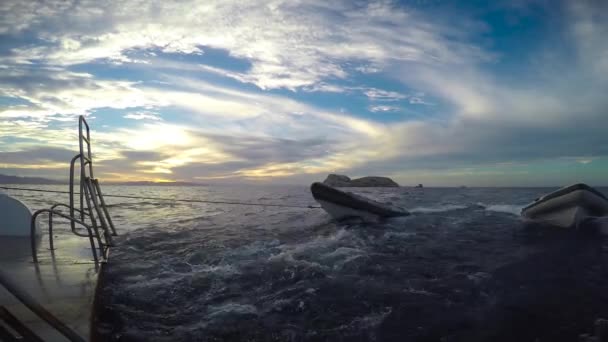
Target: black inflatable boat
[340,204]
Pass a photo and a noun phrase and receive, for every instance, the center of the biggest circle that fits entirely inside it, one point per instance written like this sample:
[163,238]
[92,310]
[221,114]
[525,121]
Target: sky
[445,93]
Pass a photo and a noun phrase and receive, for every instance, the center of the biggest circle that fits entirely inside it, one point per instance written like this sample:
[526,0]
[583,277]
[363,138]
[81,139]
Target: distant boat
[340,204]
[420,186]
[567,207]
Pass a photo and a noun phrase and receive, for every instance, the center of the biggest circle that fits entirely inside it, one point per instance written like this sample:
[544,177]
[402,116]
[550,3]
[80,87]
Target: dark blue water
[461,268]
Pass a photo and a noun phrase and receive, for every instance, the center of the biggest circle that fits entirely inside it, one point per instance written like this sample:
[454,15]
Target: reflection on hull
[63,282]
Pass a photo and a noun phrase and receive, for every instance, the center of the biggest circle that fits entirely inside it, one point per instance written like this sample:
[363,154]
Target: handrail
[84,159]
[72,223]
[71,190]
[38,309]
[91,197]
[96,209]
[56,212]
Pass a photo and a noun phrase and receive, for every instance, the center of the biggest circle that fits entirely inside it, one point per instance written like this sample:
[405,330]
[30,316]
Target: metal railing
[92,213]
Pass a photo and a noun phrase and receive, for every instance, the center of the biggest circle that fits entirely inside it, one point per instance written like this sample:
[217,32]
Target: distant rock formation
[345,181]
[5,179]
[419,186]
[337,180]
[148,183]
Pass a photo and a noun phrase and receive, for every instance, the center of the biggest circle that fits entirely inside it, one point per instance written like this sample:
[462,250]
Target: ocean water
[462,267]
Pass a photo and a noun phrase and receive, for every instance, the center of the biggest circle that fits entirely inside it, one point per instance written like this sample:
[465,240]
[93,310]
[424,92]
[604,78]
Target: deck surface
[64,282]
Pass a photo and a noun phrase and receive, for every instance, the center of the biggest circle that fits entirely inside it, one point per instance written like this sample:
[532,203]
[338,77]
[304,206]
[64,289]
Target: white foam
[438,209]
[372,320]
[419,292]
[342,252]
[144,282]
[503,208]
[323,252]
[231,309]
[399,235]
[288,257]
[220,270]
[320,242]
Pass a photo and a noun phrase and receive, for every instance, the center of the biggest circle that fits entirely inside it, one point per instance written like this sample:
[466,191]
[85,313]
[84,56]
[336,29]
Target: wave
[251,273]
[438,209]
[217,311]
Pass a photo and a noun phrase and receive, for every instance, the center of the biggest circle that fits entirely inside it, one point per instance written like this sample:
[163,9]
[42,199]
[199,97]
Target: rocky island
[371,181]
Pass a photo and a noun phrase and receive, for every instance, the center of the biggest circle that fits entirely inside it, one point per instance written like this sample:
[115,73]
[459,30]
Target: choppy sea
[462,267]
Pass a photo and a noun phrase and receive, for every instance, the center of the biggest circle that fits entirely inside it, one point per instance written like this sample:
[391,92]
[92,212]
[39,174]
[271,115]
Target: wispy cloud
[308,42]
[383,95]
[50,92]
[143,115]
[382,108]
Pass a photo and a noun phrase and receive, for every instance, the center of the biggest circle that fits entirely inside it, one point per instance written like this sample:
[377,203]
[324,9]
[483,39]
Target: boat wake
[247,274]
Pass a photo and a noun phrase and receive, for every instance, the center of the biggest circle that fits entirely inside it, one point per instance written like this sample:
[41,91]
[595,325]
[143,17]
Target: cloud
[143,115]
[260,157]
[308,42]
[383,95]
[54,91]
[256,129]
[368,69]
[326,88]
[418,99]
[383,109]
[38,157]
[589,30]
[501,119]
[258,120]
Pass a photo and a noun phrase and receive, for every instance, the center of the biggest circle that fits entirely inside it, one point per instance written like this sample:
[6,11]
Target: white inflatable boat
[340,204]
[15,217]
[567,207]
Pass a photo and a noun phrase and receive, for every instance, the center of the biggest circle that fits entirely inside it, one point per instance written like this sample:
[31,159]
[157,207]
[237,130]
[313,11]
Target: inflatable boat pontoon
[340,204]
[567,207]
[15,218]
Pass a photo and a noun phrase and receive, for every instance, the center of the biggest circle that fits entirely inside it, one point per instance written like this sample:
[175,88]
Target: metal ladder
[92,213]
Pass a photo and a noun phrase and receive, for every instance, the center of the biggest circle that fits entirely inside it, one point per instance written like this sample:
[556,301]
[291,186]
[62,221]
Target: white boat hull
[564,218]
[567,209]
[15,217]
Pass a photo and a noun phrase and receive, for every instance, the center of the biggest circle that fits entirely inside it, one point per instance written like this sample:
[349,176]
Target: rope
[173,199]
